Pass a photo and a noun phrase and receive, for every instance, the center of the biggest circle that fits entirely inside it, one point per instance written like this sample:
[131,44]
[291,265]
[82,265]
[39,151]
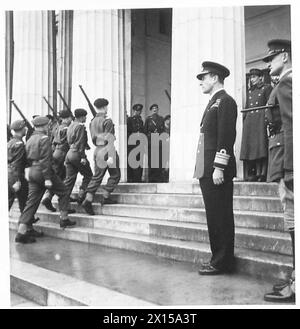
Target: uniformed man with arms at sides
[154,124]
[135,125]
[281,150]
[216,167]
[254,147]
[17,161]
[41,177]
[76,160]
[105,156]
[61,147]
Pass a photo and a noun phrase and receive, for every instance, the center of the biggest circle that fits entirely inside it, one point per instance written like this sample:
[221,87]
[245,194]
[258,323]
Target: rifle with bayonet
[52,109]
[93,111]
[65,104]
[27,123]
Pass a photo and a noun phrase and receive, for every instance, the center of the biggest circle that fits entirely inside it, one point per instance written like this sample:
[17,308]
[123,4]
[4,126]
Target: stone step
[246,219]
[240,188]
[249,203]
[255,263]
[48,288]
[262,240]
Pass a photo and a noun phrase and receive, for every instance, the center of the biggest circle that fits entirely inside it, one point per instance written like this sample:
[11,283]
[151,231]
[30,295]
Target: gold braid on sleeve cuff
[221,159]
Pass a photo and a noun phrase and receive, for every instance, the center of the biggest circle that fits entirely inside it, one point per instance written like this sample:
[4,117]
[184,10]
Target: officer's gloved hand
[83,161]
[110,161]
[17,186]
[27,174]
[48,183]
[218,176]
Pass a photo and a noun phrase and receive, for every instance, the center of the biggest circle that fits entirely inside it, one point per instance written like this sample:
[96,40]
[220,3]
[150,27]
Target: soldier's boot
[65,221]
[24,238]
[106,198]
[72,199]
[34,233]
[87,204]
[35,219]
[81,196]
[48,204]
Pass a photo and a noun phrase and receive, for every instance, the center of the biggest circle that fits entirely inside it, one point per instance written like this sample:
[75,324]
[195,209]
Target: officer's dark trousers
[112,182]
[155,166]
[21,195]
[134,175]
[218,200]
[73,167]
[36,191]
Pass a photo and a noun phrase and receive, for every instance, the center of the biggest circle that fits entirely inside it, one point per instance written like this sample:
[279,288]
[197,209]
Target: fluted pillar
[200,34]
[101,64]
[34,74]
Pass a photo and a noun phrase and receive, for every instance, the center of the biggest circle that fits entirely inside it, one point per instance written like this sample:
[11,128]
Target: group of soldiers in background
[55,153]
[154,125]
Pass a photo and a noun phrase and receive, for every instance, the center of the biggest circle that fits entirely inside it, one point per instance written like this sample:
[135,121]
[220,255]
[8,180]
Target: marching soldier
[76,160]
[17,161]
[105,156]
[154,124]
[281,169]
[216,167]
[41,177]
[135,125]
[254,147]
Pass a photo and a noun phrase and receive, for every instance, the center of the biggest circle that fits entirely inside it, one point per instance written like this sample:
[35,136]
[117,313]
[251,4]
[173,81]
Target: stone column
[33,71]
[200,34]
[101,64]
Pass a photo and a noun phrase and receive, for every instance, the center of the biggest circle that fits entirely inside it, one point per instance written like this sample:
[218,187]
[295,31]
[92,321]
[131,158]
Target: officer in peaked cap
[254,146]
[216,167]
[41,177]
[135,125]
[279,59]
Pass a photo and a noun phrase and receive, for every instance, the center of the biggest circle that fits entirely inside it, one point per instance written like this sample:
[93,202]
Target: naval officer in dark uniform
[281,168]
[254,147]
[135,125]
[216,167]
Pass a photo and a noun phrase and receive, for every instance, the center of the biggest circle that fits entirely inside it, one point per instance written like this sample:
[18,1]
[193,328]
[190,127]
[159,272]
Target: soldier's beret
[256,72]
[35,115]
[80,113]
[277,46]
[167,117]
[137,107]
[64,114]
[17,125]
[49,116]
[100,102]
[153,106]
[212,67]
[40,121]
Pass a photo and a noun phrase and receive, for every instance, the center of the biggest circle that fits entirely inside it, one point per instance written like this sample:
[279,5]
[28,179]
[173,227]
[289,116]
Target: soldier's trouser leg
[86,172]
[114,177]
[218,200]
[71,176]
[22,194]
[95,182]
[286,194]
[60,189]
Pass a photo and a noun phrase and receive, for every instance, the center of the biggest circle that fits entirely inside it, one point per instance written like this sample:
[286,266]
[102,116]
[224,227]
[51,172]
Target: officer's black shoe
[209,270]
[108,201]
[71,211]
[72,199]
[87,206]
[66,223]
[35,219]
[35,234]
[24,238]
[285,295]
[48,204]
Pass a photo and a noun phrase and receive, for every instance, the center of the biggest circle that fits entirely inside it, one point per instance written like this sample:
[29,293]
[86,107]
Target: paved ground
[160,281]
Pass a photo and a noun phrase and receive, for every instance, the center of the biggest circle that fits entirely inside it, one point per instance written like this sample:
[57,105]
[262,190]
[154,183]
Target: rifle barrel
[94,113]
[29,126]
[65,103]
[51,108]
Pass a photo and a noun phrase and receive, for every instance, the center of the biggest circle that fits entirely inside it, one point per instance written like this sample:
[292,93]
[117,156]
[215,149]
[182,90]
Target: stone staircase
[168,220]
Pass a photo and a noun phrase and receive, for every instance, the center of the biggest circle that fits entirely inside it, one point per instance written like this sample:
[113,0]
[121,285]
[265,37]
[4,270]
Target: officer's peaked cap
[153,106]
[40,121]
[215,68]
[80,113]
[17,125]
[100,102]
[64,114]
[137,107]
[257,72]
[277,46]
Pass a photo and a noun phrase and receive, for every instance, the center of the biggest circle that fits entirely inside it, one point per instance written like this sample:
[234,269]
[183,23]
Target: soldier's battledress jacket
[254,138]
[135,124]
[16,159]
[154,124]
[77,138]
[60,138]
[217,134]
[281,142]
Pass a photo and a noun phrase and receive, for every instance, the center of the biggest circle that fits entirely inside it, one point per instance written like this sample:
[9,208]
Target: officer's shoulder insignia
[216,103]
[18,143]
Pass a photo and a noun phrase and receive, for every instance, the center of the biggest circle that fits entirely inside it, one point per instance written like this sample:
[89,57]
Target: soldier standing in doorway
[216,167]
[154,126]
[254,147]
[135,125]
[281,150]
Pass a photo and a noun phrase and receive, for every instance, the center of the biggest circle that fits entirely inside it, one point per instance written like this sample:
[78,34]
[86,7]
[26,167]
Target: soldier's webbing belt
[259,108]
